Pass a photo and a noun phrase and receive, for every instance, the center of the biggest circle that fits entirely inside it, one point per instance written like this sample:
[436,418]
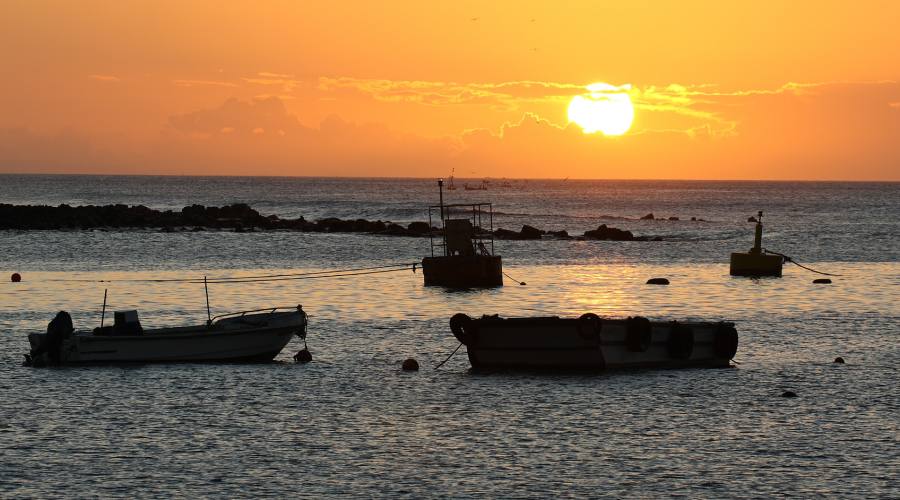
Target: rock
[410,365]
[506,234]
[673,218]
[657,281]
[693,218]
[332,225]
[789,394]
[530,233]
[648,216]
[563,234]
[419,228]
[839,360]
[395,230]
[822,281]
[609,233]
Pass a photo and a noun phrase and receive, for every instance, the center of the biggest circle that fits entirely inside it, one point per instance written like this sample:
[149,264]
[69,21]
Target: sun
[604,108]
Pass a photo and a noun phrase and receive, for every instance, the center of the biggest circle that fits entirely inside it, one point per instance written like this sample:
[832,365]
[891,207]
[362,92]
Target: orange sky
[761,90]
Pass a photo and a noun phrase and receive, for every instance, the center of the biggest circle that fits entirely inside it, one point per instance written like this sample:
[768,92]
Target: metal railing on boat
[270,310]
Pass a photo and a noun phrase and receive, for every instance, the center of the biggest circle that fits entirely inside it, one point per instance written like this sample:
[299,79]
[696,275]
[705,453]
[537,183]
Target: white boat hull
[591,343]
[249,338]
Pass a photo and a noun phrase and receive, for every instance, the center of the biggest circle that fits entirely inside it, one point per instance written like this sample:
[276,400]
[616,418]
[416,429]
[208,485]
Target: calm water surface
[352,423]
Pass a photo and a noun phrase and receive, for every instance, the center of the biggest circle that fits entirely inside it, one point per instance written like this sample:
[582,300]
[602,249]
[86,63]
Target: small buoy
[822,281]
[522,283]
[410,365]
[789,394]
[16,277]
[839,360]
[657,281]
[303,356]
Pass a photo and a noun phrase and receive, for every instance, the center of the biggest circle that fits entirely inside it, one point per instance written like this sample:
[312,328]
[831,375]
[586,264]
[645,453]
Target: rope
[334,273]
[448,357]
[791,260]
[510,277]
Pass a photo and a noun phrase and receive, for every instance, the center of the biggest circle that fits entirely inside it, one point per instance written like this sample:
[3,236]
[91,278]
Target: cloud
[203,83]
[262,137]
[238,117]
[837,130]
[824,130]
[509,95]
[105,78]
[287,83]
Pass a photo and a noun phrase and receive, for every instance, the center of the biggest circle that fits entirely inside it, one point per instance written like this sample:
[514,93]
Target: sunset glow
[503,89]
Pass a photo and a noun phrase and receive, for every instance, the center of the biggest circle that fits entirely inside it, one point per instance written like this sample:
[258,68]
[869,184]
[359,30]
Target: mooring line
[510,277]
[448,357]
[333,273]
[791,260]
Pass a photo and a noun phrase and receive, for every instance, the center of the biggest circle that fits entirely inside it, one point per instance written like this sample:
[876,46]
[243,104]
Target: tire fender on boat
[461,326]
[681,341]
[589,326]
[725,341]
[638,334]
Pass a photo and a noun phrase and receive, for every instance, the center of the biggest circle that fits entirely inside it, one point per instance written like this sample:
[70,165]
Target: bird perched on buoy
[410,365]
[15,278]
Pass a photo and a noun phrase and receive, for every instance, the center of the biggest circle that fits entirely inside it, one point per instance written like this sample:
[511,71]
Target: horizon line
[350,177]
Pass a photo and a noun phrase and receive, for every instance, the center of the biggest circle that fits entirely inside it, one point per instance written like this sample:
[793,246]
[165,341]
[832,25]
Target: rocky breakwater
[240,217]
[603,233]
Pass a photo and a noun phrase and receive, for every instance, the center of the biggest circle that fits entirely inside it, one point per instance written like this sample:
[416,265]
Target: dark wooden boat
[593,343]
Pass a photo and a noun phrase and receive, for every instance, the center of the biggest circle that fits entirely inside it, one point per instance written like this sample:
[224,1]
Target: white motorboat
[247,336]
[593,343]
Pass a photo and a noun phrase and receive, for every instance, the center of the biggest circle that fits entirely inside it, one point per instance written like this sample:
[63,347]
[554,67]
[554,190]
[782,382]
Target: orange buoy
[16,277]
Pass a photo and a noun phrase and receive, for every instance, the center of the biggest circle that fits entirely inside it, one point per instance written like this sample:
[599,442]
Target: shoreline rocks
[241,218]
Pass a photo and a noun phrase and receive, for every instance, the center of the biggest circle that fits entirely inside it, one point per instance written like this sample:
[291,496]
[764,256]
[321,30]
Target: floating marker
[657,281]
[822,281]
[789,394]
[410,365]
[15,278]
[303,356]
[839,360]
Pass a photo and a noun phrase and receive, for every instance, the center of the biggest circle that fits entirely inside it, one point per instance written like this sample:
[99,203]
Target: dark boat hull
[463,271]
[591,343]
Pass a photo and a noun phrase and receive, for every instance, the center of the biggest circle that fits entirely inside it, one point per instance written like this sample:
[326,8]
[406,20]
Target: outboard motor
[58,330]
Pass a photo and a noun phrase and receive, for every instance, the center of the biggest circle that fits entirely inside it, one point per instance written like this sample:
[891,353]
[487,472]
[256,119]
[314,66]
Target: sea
[352,423]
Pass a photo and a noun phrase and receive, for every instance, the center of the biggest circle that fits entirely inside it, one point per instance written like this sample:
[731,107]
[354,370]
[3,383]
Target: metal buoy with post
[756,262]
